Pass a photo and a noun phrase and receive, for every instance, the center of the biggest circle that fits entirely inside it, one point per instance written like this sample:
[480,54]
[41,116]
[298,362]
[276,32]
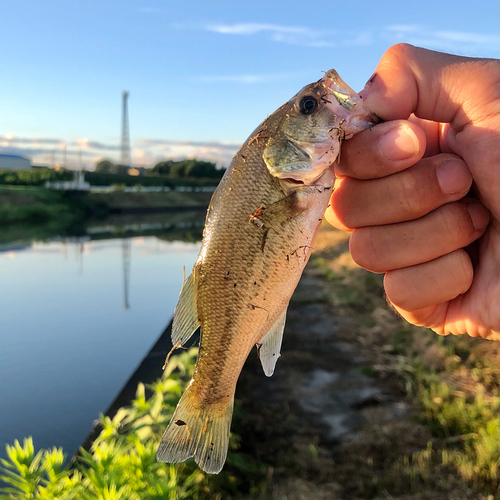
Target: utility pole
[125,160]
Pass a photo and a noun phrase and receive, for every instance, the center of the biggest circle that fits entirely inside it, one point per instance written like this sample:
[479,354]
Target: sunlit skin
[406,197]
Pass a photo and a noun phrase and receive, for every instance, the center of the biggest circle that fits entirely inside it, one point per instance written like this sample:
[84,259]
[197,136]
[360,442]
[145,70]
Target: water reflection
[78,313]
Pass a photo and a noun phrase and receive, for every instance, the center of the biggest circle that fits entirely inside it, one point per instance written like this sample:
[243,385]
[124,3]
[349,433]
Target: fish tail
[198,431]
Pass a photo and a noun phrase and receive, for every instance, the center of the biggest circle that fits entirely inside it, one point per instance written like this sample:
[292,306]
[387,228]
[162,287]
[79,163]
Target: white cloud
[12,139]
[89,144]
[230,146]
[145,152]
[463,37]
[294,35]
[403,28]
[252,28]
[220,153]
[427,36]
[452,41]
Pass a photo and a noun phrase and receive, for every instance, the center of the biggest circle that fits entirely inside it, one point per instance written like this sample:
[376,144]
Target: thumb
[432,85]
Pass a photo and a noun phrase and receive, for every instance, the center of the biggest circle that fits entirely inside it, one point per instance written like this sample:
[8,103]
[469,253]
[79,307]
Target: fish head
[307,131]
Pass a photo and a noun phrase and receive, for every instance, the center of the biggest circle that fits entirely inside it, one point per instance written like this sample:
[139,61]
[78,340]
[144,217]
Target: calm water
[76,318]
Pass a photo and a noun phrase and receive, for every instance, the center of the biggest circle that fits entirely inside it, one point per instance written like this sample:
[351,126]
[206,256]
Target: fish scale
[258,236]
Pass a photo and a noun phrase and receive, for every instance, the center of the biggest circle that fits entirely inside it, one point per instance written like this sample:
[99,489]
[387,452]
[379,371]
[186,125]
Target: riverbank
[361,404]
[38,204]
[30,213]
[148,202]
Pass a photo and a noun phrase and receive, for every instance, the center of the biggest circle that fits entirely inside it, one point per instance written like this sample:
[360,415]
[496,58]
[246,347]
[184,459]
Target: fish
[259,233]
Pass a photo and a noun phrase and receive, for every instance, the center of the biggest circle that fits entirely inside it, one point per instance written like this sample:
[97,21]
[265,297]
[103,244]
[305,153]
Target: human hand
[404,189]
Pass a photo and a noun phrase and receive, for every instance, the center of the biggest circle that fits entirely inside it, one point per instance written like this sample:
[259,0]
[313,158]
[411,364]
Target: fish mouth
[343,94]
[347,103]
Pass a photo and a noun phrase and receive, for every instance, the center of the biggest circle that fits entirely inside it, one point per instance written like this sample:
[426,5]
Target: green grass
[452,384]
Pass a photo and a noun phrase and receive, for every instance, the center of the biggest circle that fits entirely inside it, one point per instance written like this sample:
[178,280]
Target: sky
[202,75]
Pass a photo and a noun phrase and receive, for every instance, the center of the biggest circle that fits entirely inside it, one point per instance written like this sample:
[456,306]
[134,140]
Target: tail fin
[202,433]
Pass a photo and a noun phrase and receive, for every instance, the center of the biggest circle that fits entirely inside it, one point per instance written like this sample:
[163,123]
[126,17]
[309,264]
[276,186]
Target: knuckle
[358,155]
[415,195]
[342,202]
[365,250]
[399,52]
[461,271]
[456,223]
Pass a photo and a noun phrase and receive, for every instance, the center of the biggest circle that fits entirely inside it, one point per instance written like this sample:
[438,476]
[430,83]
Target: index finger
[382,150]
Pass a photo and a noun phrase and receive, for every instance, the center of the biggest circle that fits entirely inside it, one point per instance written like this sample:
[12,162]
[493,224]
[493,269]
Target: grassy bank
[451,382]
[37,205]
[120,200]
[31,204]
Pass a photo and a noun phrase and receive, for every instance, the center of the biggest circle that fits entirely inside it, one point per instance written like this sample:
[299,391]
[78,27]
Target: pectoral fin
[185,321]
[277,213]
[270,346]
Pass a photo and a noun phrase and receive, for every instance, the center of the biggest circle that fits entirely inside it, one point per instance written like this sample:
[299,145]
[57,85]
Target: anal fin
[185,321]
[270,345]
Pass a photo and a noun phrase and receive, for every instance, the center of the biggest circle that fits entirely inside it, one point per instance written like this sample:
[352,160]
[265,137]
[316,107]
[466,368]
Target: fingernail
[369,86]
[478,214]
[453,177]
[399,144]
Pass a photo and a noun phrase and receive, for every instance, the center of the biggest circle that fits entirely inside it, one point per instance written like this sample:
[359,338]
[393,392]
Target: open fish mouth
[339,93]
[343,94]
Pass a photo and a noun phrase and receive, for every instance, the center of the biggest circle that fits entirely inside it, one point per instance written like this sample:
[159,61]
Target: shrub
[122,460]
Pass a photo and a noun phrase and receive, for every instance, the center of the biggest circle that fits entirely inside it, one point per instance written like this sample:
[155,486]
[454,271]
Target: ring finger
[395,246]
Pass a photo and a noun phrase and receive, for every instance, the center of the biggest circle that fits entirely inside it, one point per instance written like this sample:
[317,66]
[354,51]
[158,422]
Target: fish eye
[308,104]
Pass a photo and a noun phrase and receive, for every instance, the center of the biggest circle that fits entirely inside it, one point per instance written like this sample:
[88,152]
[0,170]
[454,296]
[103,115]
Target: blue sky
[201,74]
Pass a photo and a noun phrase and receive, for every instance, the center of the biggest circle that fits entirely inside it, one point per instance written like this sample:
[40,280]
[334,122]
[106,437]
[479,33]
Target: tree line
[33,177]
[170,168]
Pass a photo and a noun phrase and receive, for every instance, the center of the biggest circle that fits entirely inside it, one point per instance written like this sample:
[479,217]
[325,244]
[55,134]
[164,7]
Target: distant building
[14,162]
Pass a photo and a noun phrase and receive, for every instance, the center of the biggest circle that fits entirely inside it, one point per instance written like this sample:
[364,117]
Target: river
[77,315]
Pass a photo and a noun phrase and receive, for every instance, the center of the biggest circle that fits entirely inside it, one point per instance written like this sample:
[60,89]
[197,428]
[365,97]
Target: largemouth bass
[259,232]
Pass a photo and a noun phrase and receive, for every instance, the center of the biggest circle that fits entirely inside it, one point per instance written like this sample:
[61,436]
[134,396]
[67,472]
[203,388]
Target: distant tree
[188,168]
[105,167]
[178,169]
[121,169]
[201,169]
[163,167]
